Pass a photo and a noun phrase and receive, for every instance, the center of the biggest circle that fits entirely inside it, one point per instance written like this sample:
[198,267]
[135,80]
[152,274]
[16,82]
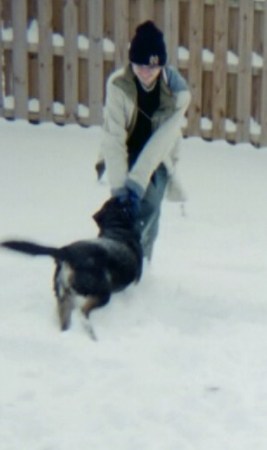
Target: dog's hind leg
[65,307]
[65,296]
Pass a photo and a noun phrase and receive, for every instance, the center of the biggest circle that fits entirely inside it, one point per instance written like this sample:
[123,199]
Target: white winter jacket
[163,146]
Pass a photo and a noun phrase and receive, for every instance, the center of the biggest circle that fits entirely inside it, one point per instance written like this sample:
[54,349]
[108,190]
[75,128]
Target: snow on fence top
[56,57]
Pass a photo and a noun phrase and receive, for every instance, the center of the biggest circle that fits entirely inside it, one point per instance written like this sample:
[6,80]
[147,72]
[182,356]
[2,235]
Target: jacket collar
[127,83]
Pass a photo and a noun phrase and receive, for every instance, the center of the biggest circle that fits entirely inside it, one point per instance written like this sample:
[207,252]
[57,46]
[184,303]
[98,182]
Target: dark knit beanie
[147,46]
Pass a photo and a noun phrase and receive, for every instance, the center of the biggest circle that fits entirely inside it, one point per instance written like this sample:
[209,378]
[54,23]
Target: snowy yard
[181,358]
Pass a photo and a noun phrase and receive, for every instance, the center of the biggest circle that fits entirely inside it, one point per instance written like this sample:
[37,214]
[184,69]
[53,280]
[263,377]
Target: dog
[96,268]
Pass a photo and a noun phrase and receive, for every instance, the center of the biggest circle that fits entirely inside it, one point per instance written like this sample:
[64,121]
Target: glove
[174,191]
[100,168]
[130,201]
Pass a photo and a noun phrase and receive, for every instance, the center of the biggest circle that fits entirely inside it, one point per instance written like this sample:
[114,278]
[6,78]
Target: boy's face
[146,74]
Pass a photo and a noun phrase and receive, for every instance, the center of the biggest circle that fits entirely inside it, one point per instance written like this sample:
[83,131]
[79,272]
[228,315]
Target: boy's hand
[130,201]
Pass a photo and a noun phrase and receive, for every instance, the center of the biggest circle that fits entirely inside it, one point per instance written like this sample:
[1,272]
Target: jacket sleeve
[114,139]
[159,148]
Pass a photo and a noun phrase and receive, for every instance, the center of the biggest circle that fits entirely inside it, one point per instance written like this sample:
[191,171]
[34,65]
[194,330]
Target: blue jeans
[150,210]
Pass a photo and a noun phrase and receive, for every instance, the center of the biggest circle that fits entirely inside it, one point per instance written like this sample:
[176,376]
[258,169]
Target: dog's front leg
[91,303]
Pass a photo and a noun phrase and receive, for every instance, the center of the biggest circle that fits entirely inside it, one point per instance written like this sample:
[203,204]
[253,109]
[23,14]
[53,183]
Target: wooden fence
[57,54]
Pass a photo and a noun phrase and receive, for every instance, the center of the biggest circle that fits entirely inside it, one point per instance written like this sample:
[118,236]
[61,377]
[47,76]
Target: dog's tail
[31,248]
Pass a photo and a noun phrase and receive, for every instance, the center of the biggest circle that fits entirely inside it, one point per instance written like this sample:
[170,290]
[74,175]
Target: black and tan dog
[93,269]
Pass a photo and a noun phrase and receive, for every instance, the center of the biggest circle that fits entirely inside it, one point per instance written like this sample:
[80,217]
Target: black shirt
[147,104]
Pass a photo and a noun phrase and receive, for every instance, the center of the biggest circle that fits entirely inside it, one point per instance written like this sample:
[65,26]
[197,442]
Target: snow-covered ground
[181,358]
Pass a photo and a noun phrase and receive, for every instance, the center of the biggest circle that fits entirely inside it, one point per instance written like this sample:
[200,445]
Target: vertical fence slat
[70,60]
[7,54]
[83,17]
[96,77]
[244,70]
[20,58]
[145,10]
[220,69]
[263,138]
[121,12]
[196,13]
[171,29]
[45,59]
[1,63]
[83,66]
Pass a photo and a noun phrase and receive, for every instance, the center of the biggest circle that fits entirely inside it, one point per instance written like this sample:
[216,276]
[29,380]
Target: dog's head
[116,216]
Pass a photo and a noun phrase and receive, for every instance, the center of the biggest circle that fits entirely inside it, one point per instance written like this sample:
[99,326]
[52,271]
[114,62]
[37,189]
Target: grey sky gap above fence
[56,56]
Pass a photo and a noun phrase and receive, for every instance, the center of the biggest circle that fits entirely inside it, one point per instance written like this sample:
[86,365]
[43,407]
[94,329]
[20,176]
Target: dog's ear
[108,210]
[98,218]
[114,214]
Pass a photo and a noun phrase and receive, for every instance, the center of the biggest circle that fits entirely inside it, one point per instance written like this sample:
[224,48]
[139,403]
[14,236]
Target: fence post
[220,69]
[45,59]
[244,77]
[196,12]
[95,64]
[20,58]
